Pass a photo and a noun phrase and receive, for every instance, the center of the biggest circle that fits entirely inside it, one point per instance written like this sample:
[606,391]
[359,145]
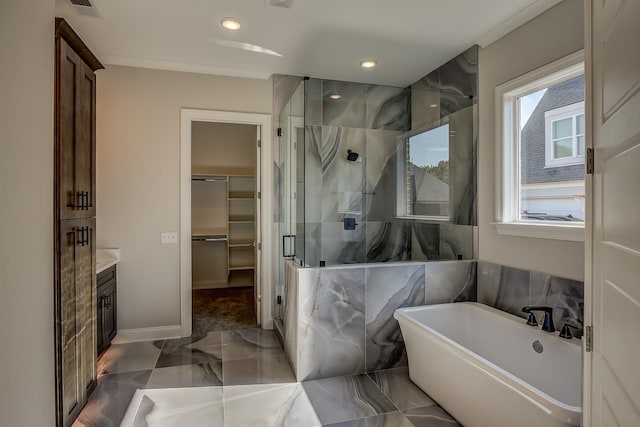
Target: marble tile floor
[241,378]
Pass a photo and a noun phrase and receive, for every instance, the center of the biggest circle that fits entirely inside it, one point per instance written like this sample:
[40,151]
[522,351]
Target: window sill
[437,219]
[572,233]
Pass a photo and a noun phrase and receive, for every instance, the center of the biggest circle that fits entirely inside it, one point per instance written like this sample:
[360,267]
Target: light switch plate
[169,237]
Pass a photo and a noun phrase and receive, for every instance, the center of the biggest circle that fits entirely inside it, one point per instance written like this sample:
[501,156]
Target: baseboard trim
[147,334]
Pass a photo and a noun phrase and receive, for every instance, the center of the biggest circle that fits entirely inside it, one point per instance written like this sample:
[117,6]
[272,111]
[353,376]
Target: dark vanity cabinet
[106,306]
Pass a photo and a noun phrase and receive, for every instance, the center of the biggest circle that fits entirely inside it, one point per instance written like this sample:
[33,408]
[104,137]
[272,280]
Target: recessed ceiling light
[335,96]
[368,63]
[231,24]
[433,105]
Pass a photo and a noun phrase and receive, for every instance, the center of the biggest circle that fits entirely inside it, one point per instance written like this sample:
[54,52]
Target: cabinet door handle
[106,301]
[86,201]
[79,200]
[82,236]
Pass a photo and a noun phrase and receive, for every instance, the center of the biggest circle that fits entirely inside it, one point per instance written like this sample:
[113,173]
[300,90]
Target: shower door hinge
[259,194]
[279,132]
[259,246]
[588,334]
[589,161]
[259,143]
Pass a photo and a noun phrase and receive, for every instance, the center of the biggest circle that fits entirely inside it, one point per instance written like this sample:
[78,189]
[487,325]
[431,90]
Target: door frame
[587,356]
[264,239]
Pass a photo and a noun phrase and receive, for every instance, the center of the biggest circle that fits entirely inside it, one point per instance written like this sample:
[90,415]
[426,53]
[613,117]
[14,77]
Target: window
[424,174]
[541,145]
[564,135]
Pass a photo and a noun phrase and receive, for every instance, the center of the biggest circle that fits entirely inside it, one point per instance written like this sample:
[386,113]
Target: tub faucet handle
[565,332]
[547,324]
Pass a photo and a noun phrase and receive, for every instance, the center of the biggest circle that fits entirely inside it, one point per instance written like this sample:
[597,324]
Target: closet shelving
[224,217]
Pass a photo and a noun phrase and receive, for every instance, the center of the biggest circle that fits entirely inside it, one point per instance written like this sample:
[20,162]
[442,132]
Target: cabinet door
[100,336]
[75,134]
[106,304]
[75,316]
[109,310]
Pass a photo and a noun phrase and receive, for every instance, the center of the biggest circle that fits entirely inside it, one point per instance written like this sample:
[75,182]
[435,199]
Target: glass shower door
[290,191]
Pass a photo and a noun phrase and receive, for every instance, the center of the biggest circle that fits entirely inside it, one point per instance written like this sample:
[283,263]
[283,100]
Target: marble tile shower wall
[453,90]
[509,289]
[367,119]
[339,320]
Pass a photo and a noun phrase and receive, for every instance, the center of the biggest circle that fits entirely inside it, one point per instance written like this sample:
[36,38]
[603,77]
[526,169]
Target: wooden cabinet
[75,126]
[106,309]
[74,200]
[76,315]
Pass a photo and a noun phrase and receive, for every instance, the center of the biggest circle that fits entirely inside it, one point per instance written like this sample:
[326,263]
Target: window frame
[507,150]
[571,111]
[402,202]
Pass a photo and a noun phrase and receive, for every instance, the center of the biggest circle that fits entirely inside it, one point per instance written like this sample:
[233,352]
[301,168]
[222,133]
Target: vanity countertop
[106,258]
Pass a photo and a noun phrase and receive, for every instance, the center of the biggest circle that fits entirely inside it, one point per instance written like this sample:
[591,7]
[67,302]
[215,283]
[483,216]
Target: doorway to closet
[225,198]
[224,190]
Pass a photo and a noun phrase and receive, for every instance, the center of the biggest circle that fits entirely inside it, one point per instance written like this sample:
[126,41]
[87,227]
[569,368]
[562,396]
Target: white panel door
[615,94]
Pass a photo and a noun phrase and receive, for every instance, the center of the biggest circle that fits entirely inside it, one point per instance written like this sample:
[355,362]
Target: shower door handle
[292,240]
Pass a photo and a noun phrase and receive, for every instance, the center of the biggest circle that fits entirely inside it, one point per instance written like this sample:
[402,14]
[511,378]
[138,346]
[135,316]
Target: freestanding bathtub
[489,368]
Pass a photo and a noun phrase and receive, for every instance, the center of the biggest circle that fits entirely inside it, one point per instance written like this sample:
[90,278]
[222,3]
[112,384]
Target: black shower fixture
[352,156]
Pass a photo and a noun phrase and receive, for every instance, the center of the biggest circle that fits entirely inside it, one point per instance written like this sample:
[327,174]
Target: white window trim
[568,111]
[507,150]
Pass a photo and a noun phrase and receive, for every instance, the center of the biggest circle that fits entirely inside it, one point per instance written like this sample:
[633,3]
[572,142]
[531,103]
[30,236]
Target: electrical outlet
[169,238]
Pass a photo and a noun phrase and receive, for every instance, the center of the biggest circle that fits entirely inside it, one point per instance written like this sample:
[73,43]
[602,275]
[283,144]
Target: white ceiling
[318,38]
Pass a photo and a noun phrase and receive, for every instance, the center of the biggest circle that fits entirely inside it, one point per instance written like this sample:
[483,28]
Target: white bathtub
[479,364]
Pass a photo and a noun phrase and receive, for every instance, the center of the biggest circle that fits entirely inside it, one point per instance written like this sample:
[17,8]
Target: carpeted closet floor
[223,309]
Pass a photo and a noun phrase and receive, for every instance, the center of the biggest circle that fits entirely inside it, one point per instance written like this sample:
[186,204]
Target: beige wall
[223,144]
[138,176]
[26,217]
[552,35]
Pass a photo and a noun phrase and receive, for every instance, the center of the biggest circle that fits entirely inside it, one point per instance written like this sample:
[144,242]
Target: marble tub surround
[451,281]
[509,289]
[339,319]
[106,257]
[331,322]
[387,289]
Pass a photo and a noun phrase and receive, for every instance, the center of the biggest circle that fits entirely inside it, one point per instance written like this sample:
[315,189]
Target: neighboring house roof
[429,187]
[533,135]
